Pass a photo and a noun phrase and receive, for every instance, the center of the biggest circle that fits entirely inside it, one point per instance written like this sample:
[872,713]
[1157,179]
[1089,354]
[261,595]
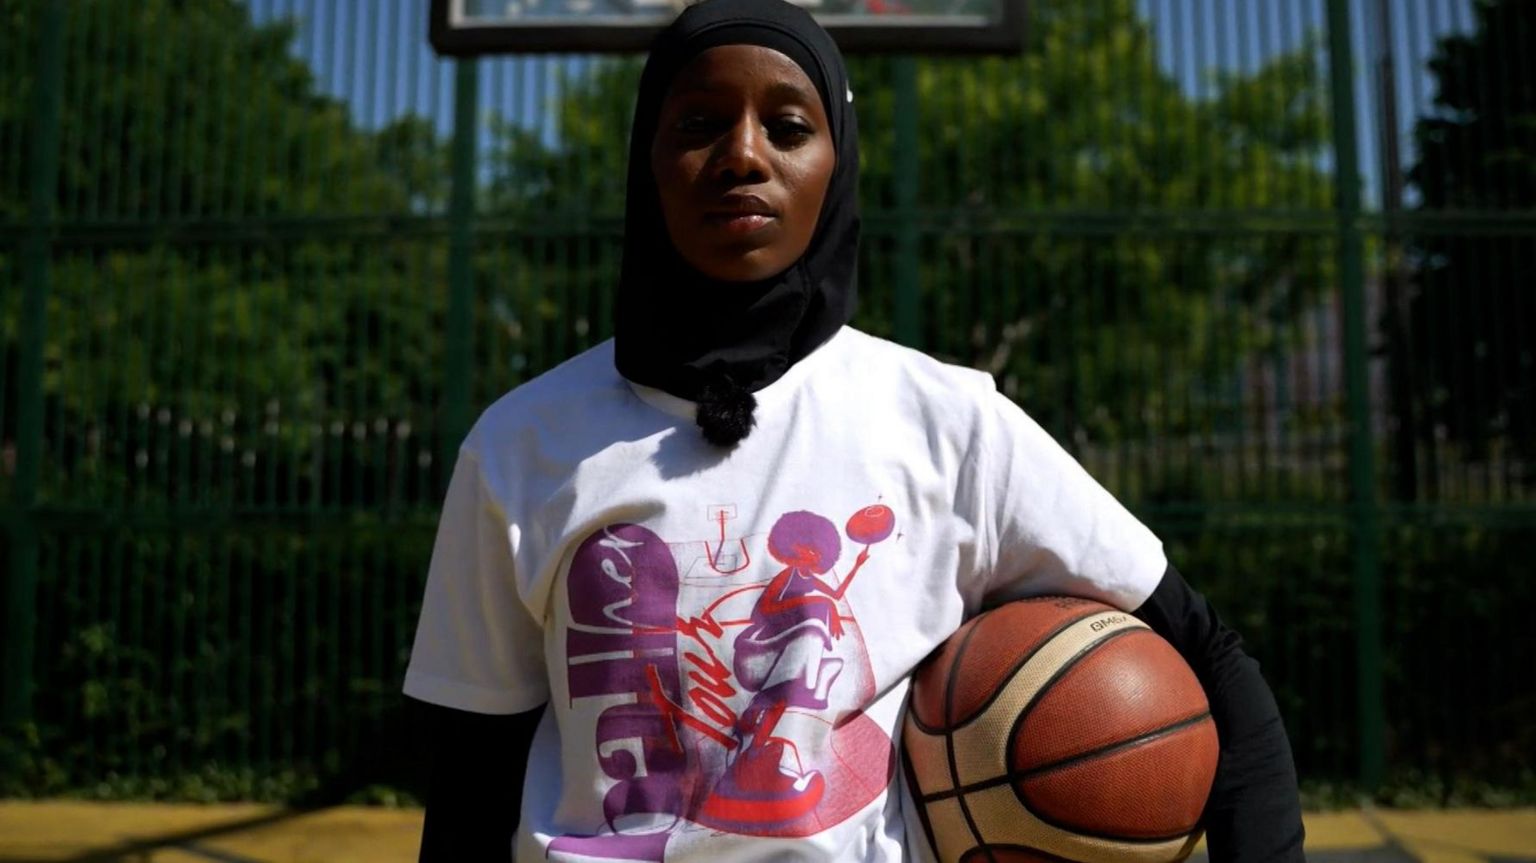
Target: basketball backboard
[475,27]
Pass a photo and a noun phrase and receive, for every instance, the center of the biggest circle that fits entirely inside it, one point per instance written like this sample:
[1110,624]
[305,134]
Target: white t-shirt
[725,638]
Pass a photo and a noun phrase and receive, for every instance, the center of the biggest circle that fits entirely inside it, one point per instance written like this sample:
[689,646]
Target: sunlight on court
[69,832]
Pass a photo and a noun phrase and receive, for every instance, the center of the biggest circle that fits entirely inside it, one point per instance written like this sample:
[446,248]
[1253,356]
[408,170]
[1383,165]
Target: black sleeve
[1254,811]
[475,765]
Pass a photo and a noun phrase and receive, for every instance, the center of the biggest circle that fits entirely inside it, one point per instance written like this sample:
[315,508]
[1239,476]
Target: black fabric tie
[726,412]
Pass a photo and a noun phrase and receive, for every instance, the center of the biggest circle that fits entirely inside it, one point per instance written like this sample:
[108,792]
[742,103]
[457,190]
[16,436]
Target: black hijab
[715,342]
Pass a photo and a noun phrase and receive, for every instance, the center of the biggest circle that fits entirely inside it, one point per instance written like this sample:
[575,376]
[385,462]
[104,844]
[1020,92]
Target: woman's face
[742,158]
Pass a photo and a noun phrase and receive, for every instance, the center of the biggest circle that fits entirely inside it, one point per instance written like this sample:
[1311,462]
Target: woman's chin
[745,269]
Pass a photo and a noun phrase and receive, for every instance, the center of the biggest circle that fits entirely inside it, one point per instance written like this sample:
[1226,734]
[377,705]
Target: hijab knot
[726,412]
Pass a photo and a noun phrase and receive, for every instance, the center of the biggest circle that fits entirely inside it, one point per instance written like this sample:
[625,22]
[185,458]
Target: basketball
[1056,728]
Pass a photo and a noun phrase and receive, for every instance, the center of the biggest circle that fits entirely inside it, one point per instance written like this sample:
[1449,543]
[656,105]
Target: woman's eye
[693,124]
[784,130]
[791,130]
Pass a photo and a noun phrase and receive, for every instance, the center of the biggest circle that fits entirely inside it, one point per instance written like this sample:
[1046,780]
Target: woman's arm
[475,768]
[1254,812]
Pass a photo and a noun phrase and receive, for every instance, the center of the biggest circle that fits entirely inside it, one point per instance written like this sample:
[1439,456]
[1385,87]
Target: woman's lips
[740,222]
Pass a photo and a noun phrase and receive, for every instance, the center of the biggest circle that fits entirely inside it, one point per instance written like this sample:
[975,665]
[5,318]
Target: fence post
[21,585]
[459,354]
[906,164]
[1363,498]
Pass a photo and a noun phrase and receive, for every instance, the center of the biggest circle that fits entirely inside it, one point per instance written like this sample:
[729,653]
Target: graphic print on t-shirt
[741,672]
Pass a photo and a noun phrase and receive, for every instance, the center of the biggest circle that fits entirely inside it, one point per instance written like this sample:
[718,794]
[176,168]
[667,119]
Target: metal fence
[1265,267]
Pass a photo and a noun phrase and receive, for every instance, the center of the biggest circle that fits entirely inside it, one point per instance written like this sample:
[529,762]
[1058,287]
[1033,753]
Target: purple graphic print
[745,713]
[793,608]
[785,658]
[623,597]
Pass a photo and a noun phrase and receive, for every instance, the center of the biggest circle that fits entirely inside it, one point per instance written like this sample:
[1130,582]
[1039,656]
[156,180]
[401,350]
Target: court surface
[147,833]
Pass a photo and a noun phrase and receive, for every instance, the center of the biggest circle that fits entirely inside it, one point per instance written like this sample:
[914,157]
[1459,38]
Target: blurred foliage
[1470,355]
[176,358]
[184,109]
[1078,326]
[242,662]
[1285,583]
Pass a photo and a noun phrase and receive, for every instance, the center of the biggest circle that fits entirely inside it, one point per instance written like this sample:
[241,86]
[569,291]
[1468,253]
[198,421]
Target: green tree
[178,331]
[246,301]
[1109,330]
[1473,312]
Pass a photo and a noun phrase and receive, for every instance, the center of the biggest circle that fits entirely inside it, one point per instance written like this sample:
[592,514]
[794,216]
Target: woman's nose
[739,155]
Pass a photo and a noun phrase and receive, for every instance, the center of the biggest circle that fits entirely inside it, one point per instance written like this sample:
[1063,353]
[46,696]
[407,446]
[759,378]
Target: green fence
[1265,267]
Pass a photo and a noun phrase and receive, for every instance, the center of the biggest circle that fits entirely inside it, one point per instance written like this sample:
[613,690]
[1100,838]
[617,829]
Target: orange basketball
[1056,728]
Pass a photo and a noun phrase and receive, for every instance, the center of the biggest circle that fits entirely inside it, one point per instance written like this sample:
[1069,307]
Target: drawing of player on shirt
[784,658]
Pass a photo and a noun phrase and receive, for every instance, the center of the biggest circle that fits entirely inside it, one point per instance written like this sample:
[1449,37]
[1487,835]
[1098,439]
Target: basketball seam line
[1036,853]
[1016,775]
[1032,772]
[922,809]
[949,739]
[1110,748]
[1012,672]
[1067,762]
[1063,669]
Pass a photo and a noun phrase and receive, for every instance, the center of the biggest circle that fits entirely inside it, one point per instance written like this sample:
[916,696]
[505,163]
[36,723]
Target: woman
[642,551]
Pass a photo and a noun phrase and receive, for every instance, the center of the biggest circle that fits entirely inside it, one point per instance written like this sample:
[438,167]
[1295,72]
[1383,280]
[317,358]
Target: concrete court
[76,832]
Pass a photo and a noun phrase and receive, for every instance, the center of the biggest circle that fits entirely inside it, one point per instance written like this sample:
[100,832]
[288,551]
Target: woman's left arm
[1254,811]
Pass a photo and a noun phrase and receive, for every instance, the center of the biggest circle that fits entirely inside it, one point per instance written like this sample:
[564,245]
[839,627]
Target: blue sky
[383,67]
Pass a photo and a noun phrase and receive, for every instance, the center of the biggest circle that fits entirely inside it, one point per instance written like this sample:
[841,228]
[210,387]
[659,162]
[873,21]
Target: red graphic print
[748,712]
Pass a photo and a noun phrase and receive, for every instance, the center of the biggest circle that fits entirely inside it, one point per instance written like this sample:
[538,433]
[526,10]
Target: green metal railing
[1264,268]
